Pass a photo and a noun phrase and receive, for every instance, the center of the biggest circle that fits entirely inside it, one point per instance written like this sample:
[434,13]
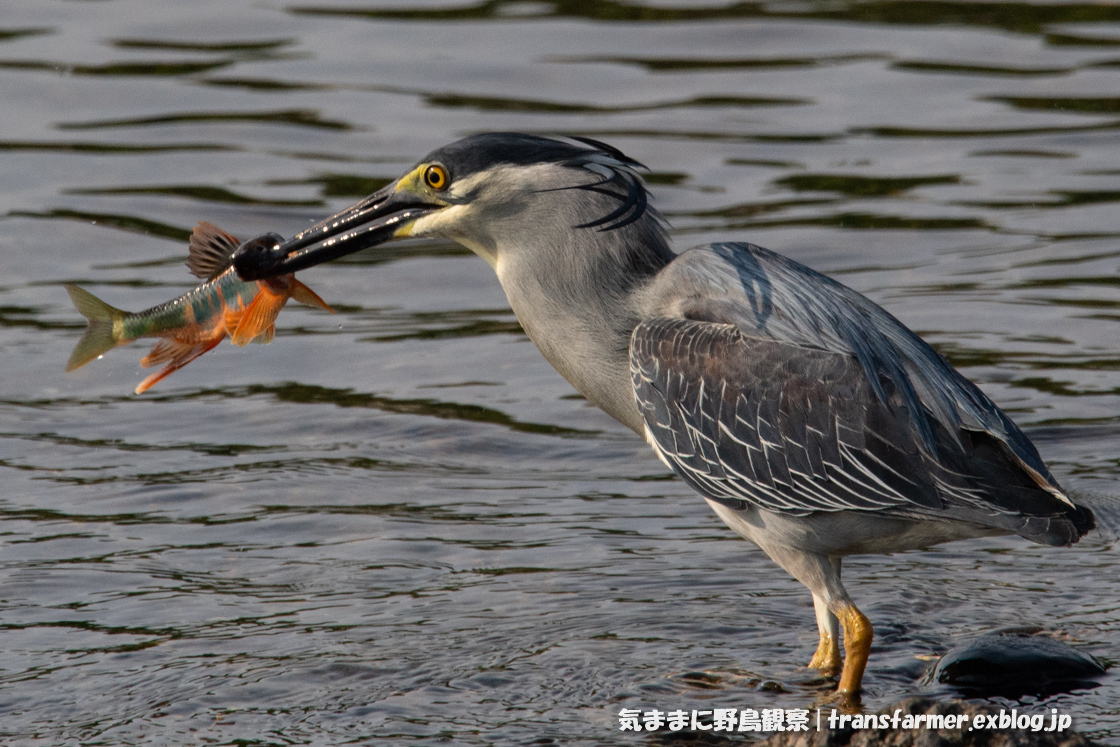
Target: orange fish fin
[258,317]
[231,318]
[165,350]
[266,336]
[186,354]
[308,297]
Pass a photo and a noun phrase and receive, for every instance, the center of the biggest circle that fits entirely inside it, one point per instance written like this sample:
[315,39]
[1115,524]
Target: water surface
[398,524]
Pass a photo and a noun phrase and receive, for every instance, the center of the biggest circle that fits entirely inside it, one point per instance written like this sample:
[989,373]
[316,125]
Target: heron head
[495,193]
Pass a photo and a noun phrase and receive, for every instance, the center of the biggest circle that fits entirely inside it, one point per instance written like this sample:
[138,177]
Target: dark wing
[771,296]
[747,419]
[795,429]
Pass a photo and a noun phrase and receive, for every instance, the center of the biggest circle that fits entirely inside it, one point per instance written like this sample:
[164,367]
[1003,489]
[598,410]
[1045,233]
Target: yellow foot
[827,659]
[857,647]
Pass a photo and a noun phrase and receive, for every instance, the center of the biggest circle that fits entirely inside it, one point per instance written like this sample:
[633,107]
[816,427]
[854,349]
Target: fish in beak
[386,214]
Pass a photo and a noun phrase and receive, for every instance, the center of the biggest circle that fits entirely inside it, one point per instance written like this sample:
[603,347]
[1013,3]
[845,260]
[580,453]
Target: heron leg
[821,573]
[827,658]
[857,630]
[857,647]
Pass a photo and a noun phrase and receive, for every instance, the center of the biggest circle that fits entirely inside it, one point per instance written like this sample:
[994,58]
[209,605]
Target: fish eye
[436,177]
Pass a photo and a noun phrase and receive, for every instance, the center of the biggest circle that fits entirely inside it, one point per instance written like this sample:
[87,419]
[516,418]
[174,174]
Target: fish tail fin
[308,297]
[99,337]
[258,316]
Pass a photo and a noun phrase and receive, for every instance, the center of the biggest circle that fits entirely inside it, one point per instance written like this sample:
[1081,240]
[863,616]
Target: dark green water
[398,524]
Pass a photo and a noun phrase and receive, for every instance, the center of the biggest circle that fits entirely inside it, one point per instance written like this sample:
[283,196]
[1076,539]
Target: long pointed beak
[373,221]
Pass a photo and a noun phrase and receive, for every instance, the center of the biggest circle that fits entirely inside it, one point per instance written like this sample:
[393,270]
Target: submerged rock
[1015,663]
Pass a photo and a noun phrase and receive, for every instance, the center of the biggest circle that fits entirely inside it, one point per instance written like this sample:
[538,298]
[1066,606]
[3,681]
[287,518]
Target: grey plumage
[861,414]
[813,422]
[797,430]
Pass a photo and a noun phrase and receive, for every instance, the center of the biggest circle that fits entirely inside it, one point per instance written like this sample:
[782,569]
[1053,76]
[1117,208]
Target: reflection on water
[397,523]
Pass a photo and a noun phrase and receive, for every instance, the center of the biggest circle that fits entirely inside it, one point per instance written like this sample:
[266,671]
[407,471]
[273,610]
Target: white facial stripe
[436,221]
[460,188]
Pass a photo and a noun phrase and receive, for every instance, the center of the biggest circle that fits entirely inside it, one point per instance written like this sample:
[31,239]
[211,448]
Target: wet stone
[1015,663]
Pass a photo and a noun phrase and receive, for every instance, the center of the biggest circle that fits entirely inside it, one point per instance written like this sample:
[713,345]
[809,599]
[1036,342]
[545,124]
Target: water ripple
[399,523]
[287,117]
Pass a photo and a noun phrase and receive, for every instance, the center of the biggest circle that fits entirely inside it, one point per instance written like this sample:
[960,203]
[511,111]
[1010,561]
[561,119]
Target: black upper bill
[370,222]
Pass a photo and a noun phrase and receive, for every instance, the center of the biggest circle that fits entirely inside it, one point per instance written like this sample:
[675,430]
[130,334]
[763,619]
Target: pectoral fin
[231,318]
[308,297]
[258,317]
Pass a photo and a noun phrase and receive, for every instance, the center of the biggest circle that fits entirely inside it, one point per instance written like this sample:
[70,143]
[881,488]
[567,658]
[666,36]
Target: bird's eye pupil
[436,177]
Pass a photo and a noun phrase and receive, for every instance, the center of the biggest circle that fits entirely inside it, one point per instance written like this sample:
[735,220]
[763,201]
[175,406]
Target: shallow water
[398,524]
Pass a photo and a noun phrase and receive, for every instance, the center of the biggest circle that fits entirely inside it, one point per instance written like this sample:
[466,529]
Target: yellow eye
[436,177]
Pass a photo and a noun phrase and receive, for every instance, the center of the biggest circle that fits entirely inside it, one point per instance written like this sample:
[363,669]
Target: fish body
[197,321]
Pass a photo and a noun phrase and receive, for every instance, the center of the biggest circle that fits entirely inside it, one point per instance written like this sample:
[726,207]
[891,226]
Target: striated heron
[813,422]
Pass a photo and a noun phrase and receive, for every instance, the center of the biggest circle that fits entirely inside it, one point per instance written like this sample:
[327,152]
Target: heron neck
[580,307]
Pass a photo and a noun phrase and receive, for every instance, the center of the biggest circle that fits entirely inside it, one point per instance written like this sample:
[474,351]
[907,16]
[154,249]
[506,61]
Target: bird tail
[99,337]
[1105,510]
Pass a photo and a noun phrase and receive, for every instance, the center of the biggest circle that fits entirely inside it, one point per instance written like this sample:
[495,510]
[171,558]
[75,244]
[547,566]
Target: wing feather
[749,420]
